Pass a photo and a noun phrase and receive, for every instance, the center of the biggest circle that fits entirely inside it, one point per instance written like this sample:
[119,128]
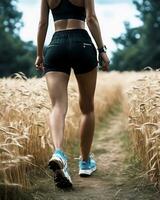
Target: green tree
[10,18]
[15,55]
[140,47]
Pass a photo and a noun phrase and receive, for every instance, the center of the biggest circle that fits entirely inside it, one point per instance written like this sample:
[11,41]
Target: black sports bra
[67,10]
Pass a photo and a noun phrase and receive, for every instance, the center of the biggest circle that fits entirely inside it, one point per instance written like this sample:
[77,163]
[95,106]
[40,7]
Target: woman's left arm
[42,31]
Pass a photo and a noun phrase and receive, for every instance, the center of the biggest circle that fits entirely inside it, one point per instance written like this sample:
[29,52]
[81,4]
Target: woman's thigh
[57,83]
[87,85]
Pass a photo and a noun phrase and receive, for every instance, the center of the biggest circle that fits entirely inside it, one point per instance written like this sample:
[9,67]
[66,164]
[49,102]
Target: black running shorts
[70,49]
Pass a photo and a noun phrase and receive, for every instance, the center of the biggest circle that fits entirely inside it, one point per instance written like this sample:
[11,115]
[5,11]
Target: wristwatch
[103,49]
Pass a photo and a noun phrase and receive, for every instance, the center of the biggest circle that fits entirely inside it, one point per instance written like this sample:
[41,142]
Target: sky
[111,15]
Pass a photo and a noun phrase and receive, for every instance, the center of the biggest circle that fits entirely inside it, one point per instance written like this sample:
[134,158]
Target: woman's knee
[86,107]
[60,109]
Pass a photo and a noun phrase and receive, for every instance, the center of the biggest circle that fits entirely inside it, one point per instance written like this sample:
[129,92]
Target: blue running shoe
[58,163]
[86,168]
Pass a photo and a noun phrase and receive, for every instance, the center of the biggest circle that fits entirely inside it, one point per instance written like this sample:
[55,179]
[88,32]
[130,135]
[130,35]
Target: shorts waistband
[71,35]
[64,32]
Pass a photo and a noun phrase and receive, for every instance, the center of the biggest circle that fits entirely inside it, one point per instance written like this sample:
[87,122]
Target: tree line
[15,54]
[137,48]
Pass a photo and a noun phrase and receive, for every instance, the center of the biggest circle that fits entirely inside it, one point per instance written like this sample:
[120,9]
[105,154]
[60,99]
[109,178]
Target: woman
[70,47]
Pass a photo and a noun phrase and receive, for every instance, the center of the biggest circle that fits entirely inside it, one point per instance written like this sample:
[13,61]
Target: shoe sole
[86,173]
[55,165]
[61,181]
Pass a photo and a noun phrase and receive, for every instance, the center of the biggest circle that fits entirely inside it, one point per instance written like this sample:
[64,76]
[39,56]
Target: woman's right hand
[39,63]
[105,61]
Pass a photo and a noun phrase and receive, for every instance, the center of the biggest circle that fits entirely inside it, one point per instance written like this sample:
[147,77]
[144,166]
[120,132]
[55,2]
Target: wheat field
[25,142]
[144,123]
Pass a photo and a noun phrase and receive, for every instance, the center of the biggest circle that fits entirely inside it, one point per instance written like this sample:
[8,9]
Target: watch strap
[103,49]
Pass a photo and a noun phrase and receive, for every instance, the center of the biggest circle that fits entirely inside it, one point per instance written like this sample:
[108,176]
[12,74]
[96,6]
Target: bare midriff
[68,24]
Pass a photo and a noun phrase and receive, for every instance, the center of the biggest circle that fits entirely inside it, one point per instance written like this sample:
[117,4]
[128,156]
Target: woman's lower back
[69,24]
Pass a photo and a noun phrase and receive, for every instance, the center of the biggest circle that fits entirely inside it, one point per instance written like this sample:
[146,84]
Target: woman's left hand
[39,63]
[105,63]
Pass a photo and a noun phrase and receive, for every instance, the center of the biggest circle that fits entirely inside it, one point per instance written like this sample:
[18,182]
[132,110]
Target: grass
[25,142]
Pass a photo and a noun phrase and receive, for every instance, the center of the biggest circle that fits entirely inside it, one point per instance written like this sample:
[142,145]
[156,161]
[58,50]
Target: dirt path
[114,179]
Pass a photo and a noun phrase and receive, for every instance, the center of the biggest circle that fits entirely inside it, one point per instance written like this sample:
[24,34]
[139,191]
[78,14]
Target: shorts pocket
[90,45]
[53,45]
[87,44]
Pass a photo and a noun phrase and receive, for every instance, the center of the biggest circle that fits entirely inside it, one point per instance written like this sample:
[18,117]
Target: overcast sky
[111,15]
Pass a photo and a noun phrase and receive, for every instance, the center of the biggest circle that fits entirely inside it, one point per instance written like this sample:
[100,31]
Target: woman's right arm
[93,25]
[42,31]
